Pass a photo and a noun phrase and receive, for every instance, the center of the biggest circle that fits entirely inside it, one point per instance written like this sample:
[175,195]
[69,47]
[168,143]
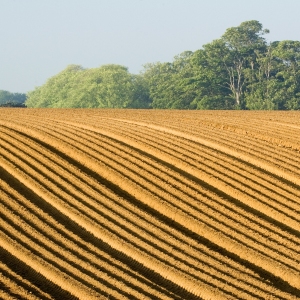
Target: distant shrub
[13,104]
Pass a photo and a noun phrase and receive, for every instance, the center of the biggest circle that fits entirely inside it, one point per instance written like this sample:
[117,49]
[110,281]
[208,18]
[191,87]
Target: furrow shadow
[37,279]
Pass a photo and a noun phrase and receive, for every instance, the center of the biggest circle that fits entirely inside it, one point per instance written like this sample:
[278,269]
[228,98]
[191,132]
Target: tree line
[8,99]
[240,70]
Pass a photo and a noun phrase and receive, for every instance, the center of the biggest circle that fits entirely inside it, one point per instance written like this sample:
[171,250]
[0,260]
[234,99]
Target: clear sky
[39,38]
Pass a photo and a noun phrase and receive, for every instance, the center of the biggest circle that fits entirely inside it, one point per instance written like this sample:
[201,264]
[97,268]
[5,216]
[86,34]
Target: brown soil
[137,204]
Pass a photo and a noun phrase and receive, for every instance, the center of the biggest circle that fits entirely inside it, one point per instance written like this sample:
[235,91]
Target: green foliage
[171,85]
[211,88]
[110,86]
[240,70]
[8,99]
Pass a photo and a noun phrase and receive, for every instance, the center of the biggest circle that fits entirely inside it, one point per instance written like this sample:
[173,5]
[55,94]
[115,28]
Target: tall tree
[261,80]
[171,85]
[287,54]
[211,78]
[239,53]
[276,83]
[159,81]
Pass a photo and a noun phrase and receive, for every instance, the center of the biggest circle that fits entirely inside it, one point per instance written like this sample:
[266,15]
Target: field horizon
[149,204]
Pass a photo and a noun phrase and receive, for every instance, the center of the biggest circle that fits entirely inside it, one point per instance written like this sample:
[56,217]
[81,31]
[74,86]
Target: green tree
[114,88]
[109,86]
[158,77]
[224,68]
[141,94]
[170,84]
[287,54]
[56,91]
[210,79]
[261,81]
[240,70]
[241,45]
[12,99]
[277,78]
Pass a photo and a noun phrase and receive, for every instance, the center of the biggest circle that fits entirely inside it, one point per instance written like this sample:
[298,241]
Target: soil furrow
[96,230]
[153,249]
[124,204]
[149,177]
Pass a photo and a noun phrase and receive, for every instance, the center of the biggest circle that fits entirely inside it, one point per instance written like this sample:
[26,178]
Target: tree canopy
[9,99]
[240,70]
[109,86]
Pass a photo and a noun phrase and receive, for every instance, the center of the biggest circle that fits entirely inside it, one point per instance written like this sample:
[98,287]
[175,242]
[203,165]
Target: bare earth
[140,204]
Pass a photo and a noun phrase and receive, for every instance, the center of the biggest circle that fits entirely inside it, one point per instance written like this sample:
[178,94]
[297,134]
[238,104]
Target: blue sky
[39,38]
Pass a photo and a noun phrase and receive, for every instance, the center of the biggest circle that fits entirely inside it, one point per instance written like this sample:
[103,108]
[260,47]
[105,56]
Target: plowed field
[133,204]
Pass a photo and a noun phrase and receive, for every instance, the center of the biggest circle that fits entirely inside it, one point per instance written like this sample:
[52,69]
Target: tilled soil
[149,204]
